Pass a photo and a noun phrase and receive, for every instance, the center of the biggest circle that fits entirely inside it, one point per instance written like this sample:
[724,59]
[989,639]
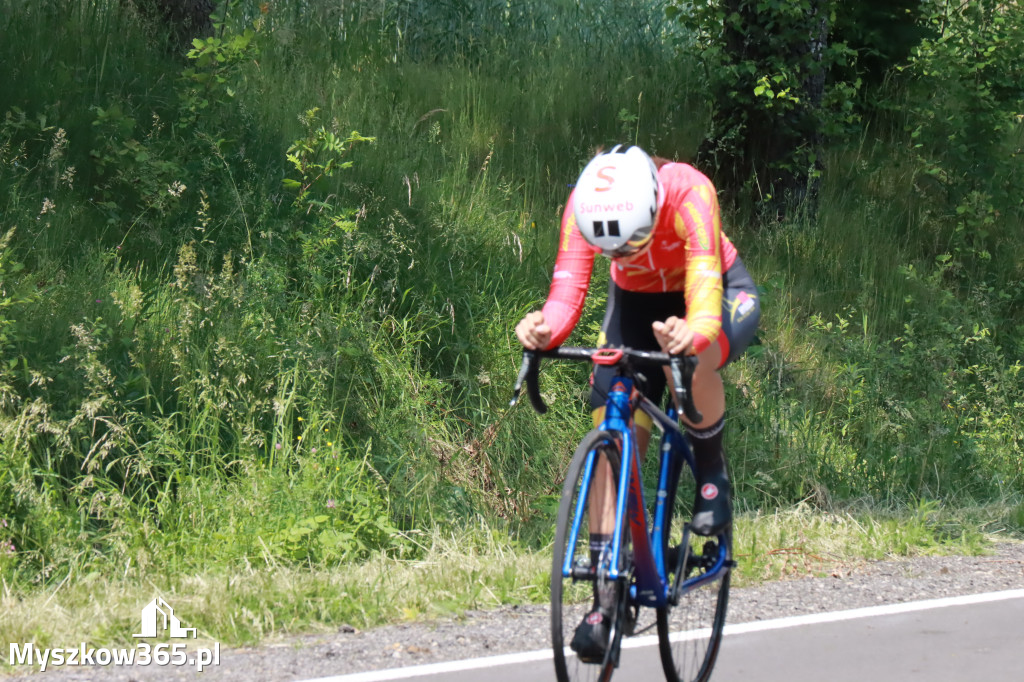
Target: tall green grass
[177,322]
[889,341]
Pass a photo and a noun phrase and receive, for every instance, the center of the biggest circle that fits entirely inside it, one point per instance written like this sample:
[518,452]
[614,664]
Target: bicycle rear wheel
[571,598]
[689,634]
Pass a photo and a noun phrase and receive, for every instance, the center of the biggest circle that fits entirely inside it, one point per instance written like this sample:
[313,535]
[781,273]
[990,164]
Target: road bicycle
[687,584]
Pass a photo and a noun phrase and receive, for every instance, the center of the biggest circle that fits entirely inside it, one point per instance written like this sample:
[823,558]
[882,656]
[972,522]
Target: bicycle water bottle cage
[607,356]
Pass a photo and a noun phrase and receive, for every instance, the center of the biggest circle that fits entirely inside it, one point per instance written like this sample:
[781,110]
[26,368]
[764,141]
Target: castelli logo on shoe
[594,618]
[709,491]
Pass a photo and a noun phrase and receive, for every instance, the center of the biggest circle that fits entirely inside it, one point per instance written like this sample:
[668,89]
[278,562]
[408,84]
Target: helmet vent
[613,228]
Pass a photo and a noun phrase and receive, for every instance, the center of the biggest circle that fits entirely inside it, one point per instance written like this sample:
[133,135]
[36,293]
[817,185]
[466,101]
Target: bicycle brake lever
[682,367]
[528,372]
[517,389]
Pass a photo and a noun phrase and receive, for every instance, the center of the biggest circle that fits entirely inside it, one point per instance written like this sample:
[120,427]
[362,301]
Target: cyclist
[678,285]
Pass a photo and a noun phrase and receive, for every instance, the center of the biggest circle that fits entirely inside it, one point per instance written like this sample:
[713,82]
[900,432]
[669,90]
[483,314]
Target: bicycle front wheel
[689,634]
[571,598]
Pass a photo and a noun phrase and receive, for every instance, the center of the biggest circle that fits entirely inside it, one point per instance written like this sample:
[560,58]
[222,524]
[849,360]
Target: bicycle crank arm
[583,573]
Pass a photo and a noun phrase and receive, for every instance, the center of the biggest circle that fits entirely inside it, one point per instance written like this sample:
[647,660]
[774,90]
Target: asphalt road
[922,617]
[978,637]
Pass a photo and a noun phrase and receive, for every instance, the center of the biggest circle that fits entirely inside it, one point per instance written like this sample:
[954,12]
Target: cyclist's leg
[740,315]
[627,322]
[602,500]
[592,632]
[741,312]
[708,387]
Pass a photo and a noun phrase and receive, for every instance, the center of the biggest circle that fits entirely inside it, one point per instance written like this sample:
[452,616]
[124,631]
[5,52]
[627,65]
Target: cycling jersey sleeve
[699,223]
[573,268]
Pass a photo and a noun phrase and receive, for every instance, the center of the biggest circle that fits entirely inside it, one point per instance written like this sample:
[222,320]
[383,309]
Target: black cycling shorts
[630,314]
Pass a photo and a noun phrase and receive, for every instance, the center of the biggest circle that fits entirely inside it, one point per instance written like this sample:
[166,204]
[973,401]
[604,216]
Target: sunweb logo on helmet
[584,208]
[602,173]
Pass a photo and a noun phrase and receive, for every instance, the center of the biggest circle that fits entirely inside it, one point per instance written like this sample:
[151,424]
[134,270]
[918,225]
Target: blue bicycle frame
[652,587]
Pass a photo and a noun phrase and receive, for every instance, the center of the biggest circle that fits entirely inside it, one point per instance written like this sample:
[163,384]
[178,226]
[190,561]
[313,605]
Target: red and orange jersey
[688,253]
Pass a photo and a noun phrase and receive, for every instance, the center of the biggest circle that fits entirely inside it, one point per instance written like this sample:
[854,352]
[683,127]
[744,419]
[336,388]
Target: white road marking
[438,668]
[651,640]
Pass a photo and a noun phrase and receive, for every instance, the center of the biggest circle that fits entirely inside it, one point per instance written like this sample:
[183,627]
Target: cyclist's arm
[703,284]
[573,267]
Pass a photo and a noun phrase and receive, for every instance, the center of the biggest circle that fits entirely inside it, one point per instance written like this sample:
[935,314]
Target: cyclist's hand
[533,332]
[674,335]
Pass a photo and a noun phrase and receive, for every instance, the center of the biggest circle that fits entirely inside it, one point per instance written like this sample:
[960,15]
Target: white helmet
[616,198]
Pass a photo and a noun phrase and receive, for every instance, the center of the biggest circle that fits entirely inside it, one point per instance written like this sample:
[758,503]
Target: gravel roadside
[525,628]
